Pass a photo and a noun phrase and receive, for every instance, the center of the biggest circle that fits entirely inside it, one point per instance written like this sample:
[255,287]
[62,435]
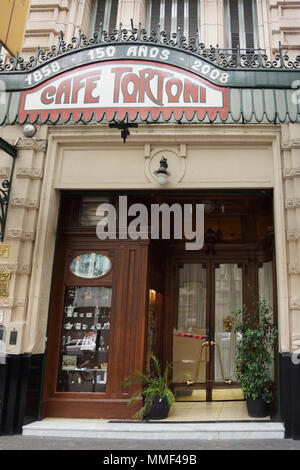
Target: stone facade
[277,21]
[42,167]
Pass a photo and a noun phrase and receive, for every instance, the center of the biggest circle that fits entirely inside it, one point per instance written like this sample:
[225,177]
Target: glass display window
[84,342]
[90,265]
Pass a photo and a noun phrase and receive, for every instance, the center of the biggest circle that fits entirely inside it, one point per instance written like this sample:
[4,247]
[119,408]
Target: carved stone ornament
[10,302]
[292,144]
[20,234]
[295,303]
[4,172]
[176,163]
[16,268]
[294,268]
[291,172]
[38,145]
[25,202]
[293,235]
[295,342]
[32,173]
[292,203]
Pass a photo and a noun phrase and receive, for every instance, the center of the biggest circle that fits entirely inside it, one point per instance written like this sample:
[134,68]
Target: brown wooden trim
[89,408]
[249,264]
[128,279]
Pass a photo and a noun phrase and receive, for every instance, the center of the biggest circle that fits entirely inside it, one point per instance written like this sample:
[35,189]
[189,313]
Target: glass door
[228,298]
[204,343]
[190,354]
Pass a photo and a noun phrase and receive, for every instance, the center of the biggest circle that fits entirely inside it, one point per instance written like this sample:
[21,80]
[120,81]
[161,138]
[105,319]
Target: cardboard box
[187,349]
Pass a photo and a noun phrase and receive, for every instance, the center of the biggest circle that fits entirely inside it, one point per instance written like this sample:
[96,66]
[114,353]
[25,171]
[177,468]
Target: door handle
[217,346]
[203,345]
[226,381]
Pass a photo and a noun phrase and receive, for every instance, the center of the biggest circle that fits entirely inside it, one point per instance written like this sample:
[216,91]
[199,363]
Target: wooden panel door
[97,328]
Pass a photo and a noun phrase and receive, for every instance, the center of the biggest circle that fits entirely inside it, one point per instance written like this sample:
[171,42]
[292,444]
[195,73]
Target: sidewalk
[66,443]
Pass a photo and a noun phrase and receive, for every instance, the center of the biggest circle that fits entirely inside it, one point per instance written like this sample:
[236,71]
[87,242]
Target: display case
[84,339]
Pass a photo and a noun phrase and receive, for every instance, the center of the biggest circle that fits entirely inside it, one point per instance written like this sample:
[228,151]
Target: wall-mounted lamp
[29,130]
[162,173]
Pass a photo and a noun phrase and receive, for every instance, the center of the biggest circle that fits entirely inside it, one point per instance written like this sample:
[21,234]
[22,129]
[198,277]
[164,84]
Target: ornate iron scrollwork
[4,198]
[245,59]
[6,186]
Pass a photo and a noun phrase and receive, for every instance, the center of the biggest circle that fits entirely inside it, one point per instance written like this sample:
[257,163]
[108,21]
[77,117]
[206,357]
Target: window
[104,12]
[241,24]
[84,343]
[174,14]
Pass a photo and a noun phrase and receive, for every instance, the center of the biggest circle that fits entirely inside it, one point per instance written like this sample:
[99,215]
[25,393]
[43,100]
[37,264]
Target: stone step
[154,430]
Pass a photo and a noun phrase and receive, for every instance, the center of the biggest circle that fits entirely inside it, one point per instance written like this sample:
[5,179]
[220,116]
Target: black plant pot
[257,408]
[159,409]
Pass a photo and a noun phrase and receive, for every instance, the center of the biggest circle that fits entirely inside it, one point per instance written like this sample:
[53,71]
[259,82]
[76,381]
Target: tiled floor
[210,411]
[199,411]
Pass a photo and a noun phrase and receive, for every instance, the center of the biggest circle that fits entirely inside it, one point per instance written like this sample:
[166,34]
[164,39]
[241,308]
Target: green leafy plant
[256,334]
[157,384]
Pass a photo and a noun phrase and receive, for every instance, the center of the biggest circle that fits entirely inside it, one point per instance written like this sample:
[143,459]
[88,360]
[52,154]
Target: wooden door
[97,327]
[205,293]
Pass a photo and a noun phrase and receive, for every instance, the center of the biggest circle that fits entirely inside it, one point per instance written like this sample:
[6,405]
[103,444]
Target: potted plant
[255,334]
[156,393]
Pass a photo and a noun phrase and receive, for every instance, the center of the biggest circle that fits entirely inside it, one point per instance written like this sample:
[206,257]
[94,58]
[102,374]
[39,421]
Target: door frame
[249,256]
[128,313]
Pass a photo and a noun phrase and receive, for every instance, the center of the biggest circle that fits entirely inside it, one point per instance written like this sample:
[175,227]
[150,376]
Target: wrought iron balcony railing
[224,58]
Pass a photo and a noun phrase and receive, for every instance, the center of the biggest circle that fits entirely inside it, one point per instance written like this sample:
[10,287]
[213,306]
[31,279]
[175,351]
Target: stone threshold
[103,429]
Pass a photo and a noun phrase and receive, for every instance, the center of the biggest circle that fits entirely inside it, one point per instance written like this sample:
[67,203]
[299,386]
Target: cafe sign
[123,88]
[132,78]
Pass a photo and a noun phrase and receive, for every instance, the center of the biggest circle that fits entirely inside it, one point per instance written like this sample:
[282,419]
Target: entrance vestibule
[202,290]
[116,302]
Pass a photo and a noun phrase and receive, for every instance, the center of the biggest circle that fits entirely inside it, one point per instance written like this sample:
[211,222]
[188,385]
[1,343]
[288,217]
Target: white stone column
[20,230]
[291,176]
[212,17]
[131,9]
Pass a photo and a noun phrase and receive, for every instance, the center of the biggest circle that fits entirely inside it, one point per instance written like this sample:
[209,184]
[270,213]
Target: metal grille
[106,14]
[174,16]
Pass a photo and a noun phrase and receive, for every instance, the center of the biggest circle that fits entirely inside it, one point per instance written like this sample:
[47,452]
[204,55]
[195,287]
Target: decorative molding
[182,150]
[294,268]
[176,163]
[291,172]
[25,202]
[4,172]
[32,173]
[16,268]
[10,302]
[295,341]
[147,150]
[295,303]
[20,234]
[293,235]
[292,203]
[291,144]
[38,145]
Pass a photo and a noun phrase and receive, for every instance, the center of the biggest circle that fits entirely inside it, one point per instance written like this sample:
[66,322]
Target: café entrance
[203,289]
[116,302]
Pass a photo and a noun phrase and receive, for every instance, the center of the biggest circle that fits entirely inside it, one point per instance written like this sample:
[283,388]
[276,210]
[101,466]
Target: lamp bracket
[124,127]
